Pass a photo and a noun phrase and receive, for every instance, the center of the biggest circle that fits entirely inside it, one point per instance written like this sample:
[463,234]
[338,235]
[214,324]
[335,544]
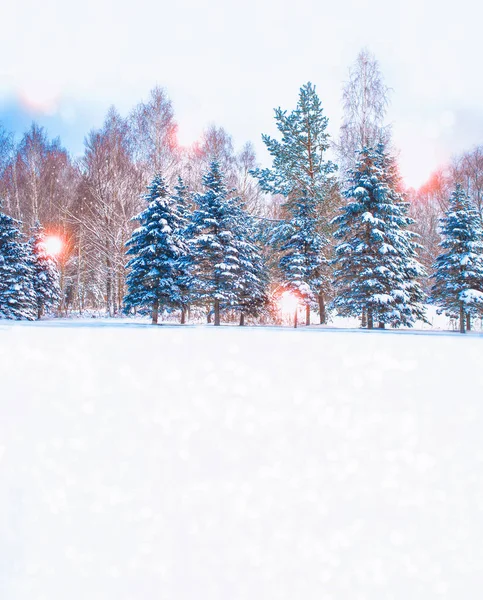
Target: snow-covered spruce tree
[17,297]
[156,247]
[45,273]
[303,265]
[302,175]
[376,259]
[252,281]
[458,277]
[181,200]
[214,249]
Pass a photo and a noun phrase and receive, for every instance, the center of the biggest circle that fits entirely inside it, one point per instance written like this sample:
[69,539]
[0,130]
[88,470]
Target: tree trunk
[120,288]
[217,312]
[468,322]
[295,318]
[208,317]
[364,318]
[307,314]
[382,325]
[370,321]
[183,316]
[462,319]
[323,317]
[108,289]
[155,312]
[242,319]
[39,312]
[79,271]
[62,302]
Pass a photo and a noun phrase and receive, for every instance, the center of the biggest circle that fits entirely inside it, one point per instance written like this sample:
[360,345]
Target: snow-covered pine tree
[45,273]
[17,297]
[301,174]
[376,259]
[215,266]
[156,247]
[303,265]
[181,200]
[252,280]
[412,297]
[458,277]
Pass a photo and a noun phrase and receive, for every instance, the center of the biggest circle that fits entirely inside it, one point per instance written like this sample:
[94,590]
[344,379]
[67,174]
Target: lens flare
[53,245]
[288,303]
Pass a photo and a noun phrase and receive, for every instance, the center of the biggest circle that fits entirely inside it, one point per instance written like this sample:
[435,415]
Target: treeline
[329,222]
[89,201]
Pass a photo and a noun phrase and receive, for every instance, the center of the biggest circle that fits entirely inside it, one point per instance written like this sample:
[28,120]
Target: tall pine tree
[458,277]
[17,297]
[376,259]
[301,174]
[156,247]
[45,273]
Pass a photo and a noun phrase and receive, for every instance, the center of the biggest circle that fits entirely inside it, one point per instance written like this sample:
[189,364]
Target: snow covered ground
[144,463]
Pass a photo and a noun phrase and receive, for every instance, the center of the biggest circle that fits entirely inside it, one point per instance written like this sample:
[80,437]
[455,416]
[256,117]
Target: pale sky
[64,63]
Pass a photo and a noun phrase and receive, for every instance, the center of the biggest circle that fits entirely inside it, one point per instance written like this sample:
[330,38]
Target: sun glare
[186,137]
[288,303]
[53,245]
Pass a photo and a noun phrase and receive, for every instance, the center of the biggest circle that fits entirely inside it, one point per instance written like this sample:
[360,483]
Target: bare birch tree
[154,136]
[111,187]
[467,170]
[365,101]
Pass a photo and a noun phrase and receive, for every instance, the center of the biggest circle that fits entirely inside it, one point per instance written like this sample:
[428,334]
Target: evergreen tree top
[215,206]
[160,222]
[156,189]
[373,191]
[181,190]
[461,223]
[299,157]
[214,179]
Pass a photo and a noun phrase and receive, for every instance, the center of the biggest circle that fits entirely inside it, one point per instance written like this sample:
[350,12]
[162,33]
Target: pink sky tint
[232,63]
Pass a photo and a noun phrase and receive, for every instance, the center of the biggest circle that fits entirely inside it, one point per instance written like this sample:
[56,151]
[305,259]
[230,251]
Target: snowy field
[169,463]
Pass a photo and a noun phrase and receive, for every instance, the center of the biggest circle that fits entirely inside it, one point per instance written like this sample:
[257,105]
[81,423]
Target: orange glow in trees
[53,245]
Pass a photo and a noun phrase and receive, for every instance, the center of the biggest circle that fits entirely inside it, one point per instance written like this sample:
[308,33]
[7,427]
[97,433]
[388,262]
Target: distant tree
[467,170]
[17,297]
[39,178]
[45,273]
[376,258]
[156,248]
[426,213]
[216,144]
[213,246]
[458,277]
[154,135]
[365,101]
[110,190]
[301,174]
[246,185]
[6,153]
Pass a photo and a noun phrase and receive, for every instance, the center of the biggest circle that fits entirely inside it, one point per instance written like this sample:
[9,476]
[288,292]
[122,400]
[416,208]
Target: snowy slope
[200,463]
